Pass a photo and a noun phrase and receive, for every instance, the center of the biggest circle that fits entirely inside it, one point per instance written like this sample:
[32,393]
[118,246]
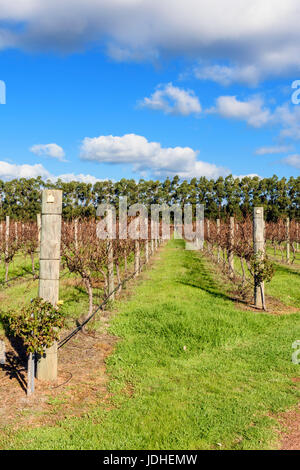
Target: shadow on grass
[286,270]
[198,276]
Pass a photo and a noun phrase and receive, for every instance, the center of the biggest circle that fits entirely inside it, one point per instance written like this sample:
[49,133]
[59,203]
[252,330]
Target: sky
[93,90]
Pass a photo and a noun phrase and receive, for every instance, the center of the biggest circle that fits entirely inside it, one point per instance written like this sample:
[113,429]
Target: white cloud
[273,150]
[292,160]
[252,111]
[250,175]
[289,119]
[226,75]
[256,38]
[173,100]
[148,156]
[68,177]
[10,171]
[49,150]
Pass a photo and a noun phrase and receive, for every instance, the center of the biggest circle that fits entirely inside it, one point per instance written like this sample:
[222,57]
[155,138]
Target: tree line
[223,197]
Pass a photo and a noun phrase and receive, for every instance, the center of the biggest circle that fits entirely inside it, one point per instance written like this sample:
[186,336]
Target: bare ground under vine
[81,383]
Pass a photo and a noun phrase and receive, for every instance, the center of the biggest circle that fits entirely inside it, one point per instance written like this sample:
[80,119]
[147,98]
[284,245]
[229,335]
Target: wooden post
[76,233]
[146,227]
[110,268]
[16,231]
[208,235]
[288,240]
[6,245]
[136,258]
[231,243]
[146,251]
[6,234]
[39,226]
[258,245]
[110,256]
[49,270]
[218,241]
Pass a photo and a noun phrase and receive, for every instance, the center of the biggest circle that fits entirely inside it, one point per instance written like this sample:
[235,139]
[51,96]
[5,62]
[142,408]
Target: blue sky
[131,91]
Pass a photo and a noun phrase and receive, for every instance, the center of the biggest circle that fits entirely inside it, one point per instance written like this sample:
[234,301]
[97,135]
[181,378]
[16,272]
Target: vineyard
[66,292]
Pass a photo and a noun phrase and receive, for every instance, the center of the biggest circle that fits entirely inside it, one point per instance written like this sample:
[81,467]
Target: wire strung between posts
[79,327]
[21,276]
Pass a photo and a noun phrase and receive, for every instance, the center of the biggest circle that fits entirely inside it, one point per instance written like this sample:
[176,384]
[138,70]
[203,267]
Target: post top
[258,210]
[51,201]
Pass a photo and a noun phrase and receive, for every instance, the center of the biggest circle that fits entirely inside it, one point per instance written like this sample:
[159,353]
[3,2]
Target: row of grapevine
[228,241]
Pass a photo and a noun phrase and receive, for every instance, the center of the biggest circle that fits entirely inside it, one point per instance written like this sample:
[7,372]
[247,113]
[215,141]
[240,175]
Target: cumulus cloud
[81,178]
[273,150]
[289,119]
[292,160]
[256,38]
[9,171]
[250,175]
[148,156]
[226,75]
[49,150]
[252,111]
[173,100]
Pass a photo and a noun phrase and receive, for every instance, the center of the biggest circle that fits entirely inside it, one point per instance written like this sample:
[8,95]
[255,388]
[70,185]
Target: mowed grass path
[190,371]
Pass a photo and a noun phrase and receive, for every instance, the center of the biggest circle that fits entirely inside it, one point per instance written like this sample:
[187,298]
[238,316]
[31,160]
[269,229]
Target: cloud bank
[148,156]
[252,39]
[10,171]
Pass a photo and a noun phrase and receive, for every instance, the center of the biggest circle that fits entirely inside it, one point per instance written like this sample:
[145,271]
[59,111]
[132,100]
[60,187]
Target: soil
[82,378]
[82,381]
[290,436]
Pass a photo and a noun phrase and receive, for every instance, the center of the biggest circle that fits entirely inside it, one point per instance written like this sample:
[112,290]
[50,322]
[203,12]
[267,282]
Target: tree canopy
[21,198]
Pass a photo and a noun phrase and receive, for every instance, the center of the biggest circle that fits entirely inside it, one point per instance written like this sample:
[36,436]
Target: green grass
[20,266]
[278,255]
[201,372]
[19,292]
[285,284]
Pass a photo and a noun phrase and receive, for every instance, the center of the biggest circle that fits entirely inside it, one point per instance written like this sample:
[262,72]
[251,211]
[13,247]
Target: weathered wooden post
[110,255]
[49,270]
[231,244]
[208,234]
[147,254]
[16,231]
[146,251]
[136,258]
[39,227]
[110,268]
[76,233]
[218,240]
[288,240]
[6,245]
[258,245]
